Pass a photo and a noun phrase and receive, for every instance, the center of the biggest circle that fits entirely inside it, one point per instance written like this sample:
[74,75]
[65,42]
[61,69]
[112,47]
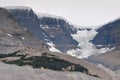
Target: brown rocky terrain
[110,59]
[12,72]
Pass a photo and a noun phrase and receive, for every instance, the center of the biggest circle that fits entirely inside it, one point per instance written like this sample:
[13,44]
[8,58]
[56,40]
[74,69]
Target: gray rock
[13,38]
[47,29]
[108,34]
[12,72]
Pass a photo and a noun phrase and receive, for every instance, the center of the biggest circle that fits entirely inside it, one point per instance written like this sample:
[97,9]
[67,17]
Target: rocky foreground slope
[12,72]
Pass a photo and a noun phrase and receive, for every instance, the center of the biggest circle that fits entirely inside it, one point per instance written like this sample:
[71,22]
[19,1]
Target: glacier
[85,47]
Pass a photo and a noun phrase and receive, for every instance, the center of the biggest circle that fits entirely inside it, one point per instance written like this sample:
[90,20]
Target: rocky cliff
[13,38]
[108,34]
[46,28]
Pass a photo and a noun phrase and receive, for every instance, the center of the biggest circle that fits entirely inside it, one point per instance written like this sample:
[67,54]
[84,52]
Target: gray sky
[80,12]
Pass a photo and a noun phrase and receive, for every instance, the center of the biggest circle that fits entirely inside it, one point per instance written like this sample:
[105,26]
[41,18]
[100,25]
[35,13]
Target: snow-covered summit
[40,15]
[18,7]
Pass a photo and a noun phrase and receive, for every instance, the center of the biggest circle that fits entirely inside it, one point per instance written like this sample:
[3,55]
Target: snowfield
[85,47]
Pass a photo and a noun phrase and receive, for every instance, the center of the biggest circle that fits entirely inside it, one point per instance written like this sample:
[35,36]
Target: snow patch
[45,35]
[44,26]
[100,65]
[46,40]
[52,47]
[10,35]
[104,50]
[17,7]
[99,45]
[22,38]
[41,15]
[86,48]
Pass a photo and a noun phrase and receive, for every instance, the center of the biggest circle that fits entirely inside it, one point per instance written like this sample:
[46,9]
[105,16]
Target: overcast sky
[80,12]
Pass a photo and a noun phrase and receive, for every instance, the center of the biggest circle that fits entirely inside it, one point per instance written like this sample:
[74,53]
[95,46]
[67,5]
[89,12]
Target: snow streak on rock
[52,47]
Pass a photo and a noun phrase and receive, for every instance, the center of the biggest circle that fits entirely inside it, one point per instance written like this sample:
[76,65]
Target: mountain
[108,34]
[13,37]
[61,36]
[19,47]
[55,31]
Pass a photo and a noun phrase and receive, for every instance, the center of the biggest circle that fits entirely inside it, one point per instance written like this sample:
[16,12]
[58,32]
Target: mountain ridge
[17,43]
[58,33]
[39,27]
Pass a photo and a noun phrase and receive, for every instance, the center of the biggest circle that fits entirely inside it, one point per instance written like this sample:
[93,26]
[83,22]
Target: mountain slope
[110,59]
[8,72]
[64,37]
[46,28]
[108,34]
[16,44]
[13,38]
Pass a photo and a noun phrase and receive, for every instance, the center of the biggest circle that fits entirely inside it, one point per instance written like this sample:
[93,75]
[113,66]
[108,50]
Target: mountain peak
[18,7]
[40,15]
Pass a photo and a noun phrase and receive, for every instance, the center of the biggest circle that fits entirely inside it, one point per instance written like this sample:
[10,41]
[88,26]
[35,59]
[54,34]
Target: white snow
[104,50]
[87,49]
[46,40]
[52,47]
[44,26]
[10,35]
[99,45]
[17,7]
[58,25]
[100,65]
[22,38]
[41,15]
[45,35]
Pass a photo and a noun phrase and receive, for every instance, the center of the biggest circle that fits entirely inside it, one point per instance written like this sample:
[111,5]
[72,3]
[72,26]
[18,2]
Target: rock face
[13,38]
[28,19]
[59,32]
[108,35]
[46,28]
